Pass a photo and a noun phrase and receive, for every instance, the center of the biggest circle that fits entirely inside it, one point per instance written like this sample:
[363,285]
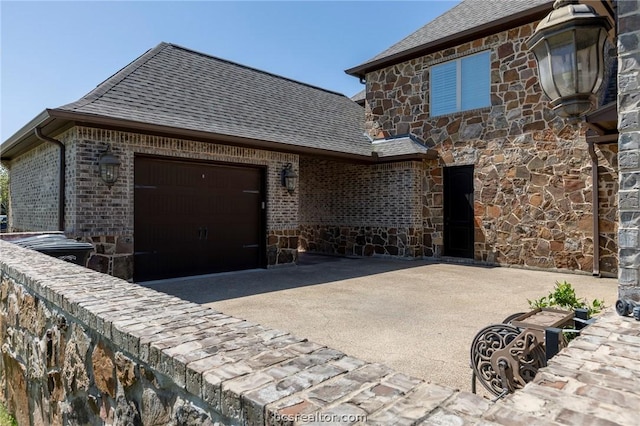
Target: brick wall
[362,210]
[33,189]
[104,216]
[532,183]
[629,143]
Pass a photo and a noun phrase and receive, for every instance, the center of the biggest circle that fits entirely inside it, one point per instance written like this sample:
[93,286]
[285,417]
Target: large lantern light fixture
[109,167]
[289,178]
[568,45]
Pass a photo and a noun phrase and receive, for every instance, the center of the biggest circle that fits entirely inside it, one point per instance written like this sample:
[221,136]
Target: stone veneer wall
[629,143]
[608,208]
[80,347]
[532,183]
[361,210]
[104,216]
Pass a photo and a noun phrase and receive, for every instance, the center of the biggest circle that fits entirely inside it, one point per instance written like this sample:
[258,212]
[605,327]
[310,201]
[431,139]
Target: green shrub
[6,419]
[564,297]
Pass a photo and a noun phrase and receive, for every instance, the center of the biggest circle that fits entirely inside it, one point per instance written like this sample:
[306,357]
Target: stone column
[629,144]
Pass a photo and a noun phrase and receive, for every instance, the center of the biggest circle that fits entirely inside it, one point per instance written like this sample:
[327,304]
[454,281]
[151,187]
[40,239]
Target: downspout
[61,178]
[595,208]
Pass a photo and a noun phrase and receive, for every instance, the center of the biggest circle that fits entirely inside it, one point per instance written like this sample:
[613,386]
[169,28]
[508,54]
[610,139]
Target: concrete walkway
[417,317]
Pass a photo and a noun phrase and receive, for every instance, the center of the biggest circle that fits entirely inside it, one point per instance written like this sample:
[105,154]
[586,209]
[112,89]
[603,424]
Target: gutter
[61,177]
[120,124]
[23,132]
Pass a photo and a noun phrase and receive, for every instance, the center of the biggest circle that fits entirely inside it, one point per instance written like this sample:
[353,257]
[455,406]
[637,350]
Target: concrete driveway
[418,317]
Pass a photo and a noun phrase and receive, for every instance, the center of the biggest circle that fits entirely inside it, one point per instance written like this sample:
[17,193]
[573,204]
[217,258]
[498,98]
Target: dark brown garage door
[196,218]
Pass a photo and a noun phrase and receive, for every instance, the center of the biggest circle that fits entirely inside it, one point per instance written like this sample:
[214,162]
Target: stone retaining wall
[80,347]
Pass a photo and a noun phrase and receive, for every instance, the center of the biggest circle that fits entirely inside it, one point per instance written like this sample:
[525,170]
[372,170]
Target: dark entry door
[458,211]
[195,218]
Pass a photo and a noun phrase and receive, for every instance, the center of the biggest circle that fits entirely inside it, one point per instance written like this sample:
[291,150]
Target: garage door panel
[196,218]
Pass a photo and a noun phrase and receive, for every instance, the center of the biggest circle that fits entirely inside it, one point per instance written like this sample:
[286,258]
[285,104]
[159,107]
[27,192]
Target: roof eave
[530,15]
[92,120]
[53,121]
[431,154]
[25,139]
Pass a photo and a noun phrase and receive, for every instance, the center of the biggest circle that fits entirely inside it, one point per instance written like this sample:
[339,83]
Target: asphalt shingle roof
[467,15]
[360,96]
[402,145]
[173,86]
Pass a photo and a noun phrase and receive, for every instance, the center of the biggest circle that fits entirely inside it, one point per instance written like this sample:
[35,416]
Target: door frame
[468,253]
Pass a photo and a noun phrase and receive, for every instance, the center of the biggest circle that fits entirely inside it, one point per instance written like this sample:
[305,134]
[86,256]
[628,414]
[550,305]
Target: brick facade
[629,144]
[361,210]
[532,182]
[34,187]
[104,216]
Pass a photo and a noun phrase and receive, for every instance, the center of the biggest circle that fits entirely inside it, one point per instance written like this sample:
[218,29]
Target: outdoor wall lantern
[568,45]
[289,178]
[109,166]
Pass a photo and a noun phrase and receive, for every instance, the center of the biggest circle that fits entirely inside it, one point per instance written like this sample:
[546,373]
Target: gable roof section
[467,21]
[174,87]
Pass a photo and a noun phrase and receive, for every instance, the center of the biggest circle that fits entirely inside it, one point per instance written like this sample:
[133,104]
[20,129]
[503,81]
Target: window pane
[476,81]
[443,88]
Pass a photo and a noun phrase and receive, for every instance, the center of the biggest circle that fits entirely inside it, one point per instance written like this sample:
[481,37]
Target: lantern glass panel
[291,181]
[541,50]
[563,63]
[109,172]
[588,47]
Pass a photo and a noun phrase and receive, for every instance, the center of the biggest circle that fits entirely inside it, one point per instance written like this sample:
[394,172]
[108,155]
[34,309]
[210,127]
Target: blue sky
[54,52]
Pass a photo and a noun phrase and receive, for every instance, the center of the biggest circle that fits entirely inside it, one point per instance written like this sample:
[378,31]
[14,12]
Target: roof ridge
[114,79]
[207,55]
